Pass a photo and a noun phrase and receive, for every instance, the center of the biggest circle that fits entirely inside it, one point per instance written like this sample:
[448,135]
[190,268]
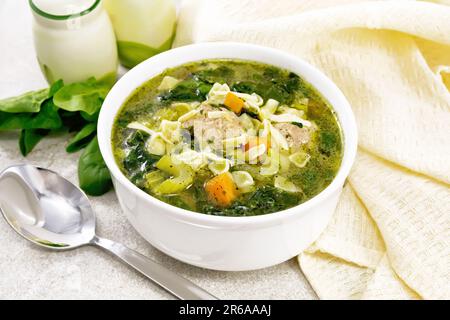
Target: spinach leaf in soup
[266,199]
[271,84]
[138,162]
[222,74]
[192,89]
[328,142]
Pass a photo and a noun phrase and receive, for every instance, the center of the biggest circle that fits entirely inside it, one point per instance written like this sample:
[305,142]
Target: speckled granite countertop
[28,272]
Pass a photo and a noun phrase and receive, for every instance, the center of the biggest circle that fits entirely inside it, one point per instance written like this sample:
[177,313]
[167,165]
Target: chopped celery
[182,176]
[246,121]
[154,178]
[269,108]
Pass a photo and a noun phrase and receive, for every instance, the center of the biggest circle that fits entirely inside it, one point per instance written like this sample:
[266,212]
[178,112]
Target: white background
[30,272]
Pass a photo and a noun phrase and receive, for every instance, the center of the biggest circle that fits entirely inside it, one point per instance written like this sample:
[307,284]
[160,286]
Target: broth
[229,138]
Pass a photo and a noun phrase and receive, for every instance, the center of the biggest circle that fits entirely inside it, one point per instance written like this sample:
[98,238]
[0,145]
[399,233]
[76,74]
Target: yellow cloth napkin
[390,235]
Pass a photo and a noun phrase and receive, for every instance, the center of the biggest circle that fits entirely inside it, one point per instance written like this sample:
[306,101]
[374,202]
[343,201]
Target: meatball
[211,132]
[295,136]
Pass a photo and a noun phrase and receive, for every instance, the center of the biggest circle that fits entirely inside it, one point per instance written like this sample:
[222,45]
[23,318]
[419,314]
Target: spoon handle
[172,282]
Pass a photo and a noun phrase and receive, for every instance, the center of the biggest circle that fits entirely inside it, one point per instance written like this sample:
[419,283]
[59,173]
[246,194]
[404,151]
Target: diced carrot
[221,190]
[256,141]
[234,103]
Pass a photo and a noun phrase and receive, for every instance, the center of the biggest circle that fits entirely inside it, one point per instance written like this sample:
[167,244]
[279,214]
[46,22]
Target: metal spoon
[51,212]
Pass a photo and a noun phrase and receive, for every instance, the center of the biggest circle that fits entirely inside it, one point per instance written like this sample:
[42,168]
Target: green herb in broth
[270,110]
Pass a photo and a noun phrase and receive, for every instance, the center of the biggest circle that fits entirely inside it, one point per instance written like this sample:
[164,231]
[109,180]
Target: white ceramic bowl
[226,243]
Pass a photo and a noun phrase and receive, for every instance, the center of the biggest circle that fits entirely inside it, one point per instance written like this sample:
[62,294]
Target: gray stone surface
[28,272]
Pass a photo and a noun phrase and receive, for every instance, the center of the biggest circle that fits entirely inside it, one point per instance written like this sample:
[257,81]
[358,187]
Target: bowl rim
[143,72]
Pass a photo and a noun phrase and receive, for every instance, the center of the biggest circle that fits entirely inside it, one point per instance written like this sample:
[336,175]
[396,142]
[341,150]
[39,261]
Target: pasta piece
[168,83]
[284,184]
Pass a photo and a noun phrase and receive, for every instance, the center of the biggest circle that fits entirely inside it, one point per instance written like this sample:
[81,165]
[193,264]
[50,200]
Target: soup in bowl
[228,138]
[227,156]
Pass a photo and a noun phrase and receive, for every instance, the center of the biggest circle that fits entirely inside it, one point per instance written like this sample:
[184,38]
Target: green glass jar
[143,28]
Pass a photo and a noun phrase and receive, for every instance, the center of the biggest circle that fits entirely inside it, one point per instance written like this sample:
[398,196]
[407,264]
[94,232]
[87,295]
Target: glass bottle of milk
[143,27]
[74,40]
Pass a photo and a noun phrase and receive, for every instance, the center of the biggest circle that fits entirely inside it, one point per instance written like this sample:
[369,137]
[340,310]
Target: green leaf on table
[84,96]
[72,121]
[27,102]
[108,80]
[82,138]
[29,138]
[90,117]
[93,175]
[55,87]
[47,118]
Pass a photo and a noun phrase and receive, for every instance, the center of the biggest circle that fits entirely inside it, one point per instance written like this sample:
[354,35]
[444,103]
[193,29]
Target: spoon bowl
[52,212]
[45,209]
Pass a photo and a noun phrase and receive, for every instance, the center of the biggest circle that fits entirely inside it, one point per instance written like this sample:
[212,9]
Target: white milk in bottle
[74,40]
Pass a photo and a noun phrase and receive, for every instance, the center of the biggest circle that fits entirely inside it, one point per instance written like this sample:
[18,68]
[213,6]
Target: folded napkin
[390,235]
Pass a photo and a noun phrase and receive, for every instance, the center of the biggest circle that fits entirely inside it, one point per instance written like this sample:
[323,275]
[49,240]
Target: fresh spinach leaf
[85,96]
[27,102]
[82,138]
[93,175]
[55,87]
[73,107]
[72,121]
[90,117]
[29,138]
[47,118]
[108,80]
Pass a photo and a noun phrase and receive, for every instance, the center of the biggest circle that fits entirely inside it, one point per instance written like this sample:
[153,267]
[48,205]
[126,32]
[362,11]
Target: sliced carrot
[234,103]
[256,141]
[221,190]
